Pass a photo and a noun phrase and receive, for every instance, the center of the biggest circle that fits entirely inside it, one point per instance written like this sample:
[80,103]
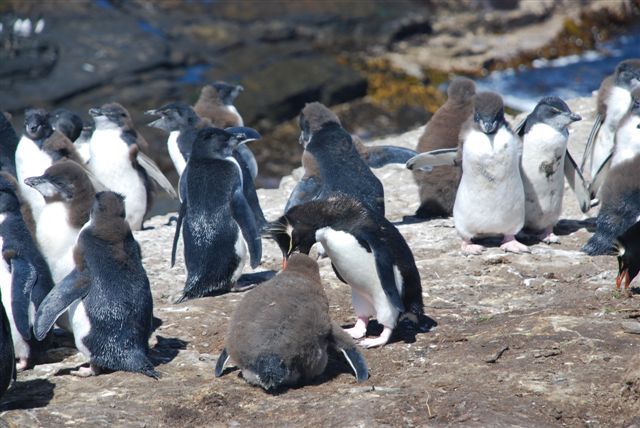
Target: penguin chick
[117,162]
[437,188]
[279,333]
[490,197]
[220,231]
[39,147]
[545,134]
[68,195]
[7,357]
[614,99]
[108,274]
[366,251]
[628,248]
[216,104]
[8,144]
[332,163]
[627,143]
[67,122]
[25,278]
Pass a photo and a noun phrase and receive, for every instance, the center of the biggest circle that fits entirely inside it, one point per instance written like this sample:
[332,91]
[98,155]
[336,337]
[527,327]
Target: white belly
[542,169]
[627,141]
[234,110]
[56,238]
[242,251]
[111,165]
[174,152]
[490,197]
[31,162]
[617,106]
[358,268]
[20,346]
[81,326]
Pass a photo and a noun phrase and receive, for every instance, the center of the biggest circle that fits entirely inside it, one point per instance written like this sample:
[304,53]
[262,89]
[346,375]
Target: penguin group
[70,199]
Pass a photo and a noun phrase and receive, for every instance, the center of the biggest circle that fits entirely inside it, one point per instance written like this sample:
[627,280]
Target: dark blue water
[568,77]
[194,74]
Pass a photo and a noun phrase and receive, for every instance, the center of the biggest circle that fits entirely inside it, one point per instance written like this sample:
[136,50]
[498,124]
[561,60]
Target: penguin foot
[468,247]
[23,364]
[548,237]
[511,245]
[92,370]
[359,330]
[377,341]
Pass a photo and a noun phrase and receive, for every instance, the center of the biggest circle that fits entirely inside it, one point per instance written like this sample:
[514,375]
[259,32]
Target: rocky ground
[520,340]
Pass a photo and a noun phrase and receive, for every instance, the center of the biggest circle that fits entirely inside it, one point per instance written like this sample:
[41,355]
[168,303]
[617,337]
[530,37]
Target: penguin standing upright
[437,188]
[68,195]
[7,357]
[25,278]
[216,104]
[332,163]
[8,145]
[39,147]
[366,251]
[107,294]
[219,227]
[117,162]
[545,134]
[614,99]
[279,332]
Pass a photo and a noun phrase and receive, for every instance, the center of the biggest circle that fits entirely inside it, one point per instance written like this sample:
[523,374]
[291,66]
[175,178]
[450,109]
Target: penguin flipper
[245,218]
[384,266]
[306,190]
[249,189]
[576,182]
[427,160]
[598,179]
[249,159]
[74,286]
[176,236]
[23,277]
[588,150]
[519,129]
[342,342]
[222,360]
[379,156]
[155,174]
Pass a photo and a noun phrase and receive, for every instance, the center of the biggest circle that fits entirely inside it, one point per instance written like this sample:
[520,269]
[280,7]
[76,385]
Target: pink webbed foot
[377,341]
[548,237]
[92,370]
[469,247]
[23,364]
[510,245]
[358,330]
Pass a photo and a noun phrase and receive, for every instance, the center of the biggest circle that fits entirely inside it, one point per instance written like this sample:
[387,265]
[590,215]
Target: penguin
[332,163]
[107,294]
[8,145]
[437,188]
[68,194]
[7,357]
[614,99]
[39,147]
[216,104]
[183,125]
[279,332]
[220,231]
[544,136]
[25,278]
[627,246]
[627,143]
[366,251]
[68,123]
[117,161]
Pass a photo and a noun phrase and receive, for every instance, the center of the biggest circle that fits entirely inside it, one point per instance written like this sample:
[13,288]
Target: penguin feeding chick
[7,357]
[220,230]
[118,163]
[107,295]
[366,251]
[628,247]
[544,135]
[279,332]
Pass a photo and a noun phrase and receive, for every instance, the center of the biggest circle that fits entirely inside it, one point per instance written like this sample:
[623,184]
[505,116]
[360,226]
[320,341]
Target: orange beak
[284,263]
[623,276]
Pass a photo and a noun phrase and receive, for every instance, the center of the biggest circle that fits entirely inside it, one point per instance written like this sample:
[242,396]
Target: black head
[227,92]
[215,143]
[554,112]
[8,199]
[291,237]
[107,205]
[111,116]
[461,90]
[313,117]
[60,181]
[488,112]
[37,124]
[174,117]
[628,245]
[627,73]
[67,122]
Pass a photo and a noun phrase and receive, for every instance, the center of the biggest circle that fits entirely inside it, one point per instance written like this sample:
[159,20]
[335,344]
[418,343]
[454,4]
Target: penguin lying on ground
[628,248]
[7,357]
[544,164]
[437,188]
[25,279]
[366,251]
[219,226]
[332,163]
[116,160]
[279,333]
[107,295]
[614,99]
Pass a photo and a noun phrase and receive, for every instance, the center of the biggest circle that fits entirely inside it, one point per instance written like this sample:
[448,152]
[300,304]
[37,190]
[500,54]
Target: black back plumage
[7,357]
[8,144]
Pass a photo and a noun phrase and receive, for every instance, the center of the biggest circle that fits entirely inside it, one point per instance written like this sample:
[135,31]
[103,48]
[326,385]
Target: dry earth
[520,340]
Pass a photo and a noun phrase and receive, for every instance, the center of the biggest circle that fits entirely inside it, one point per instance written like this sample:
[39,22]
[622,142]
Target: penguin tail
[140,363]
[271,372]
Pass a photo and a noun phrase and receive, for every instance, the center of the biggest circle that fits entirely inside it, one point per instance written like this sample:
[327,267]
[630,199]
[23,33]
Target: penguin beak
[638,126]
[244,134]
[284,263]
[151,113]
[95,112]
[575,117]
[34,181]
[488,127]
[623,274]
